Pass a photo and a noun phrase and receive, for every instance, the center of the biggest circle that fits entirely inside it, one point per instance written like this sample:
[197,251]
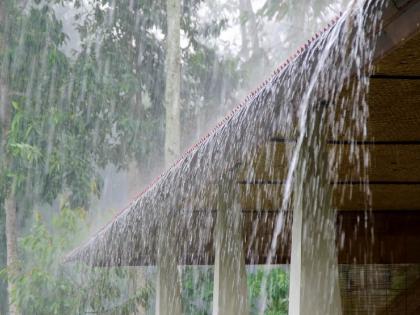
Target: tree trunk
[244,35]
[11,241]
[168,299]
[249,30]
[10,200]
[173,77]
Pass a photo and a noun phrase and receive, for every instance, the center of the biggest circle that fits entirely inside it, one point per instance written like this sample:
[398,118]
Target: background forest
[97,97]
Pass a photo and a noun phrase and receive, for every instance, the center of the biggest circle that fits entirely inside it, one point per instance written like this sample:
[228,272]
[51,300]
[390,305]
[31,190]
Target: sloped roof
[189,191]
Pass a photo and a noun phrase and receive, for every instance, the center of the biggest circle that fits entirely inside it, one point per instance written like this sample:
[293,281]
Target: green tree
[57,125]
[46,286]
[128,41]
[42,284]
[197,290]
[63,119]
[270,288]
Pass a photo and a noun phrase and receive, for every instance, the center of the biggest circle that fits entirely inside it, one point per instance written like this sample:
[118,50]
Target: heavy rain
[170,157]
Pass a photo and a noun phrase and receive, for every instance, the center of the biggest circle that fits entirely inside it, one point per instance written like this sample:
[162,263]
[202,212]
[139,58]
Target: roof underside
[393,140]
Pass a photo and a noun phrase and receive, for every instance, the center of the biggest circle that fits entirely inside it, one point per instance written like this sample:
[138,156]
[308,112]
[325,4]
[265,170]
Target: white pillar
[314,285]
[314,279]
[168,284]
[137,283]
[230,292]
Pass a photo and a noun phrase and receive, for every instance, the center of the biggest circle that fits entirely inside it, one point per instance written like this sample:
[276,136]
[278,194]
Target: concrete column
[314,283]
[168,283]
[230,292]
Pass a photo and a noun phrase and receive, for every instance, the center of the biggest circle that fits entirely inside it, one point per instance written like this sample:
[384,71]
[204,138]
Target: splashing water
[331,73]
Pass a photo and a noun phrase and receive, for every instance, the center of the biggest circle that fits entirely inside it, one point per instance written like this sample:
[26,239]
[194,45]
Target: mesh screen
[380,289]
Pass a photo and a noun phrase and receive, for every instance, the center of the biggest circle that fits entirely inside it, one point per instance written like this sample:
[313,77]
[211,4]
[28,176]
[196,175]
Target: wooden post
[230,293]
[314,285]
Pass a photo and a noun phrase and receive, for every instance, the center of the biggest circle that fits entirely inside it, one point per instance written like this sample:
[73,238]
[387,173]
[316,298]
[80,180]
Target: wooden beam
[384,196]
[347,196]
[381,237]
[389,161]
[402,59]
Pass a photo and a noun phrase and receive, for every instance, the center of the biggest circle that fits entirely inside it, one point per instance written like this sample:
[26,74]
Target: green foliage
[274,9]
[197,290]
[276,283]
[44,285]
[46,144]
[70,117]
[129,68]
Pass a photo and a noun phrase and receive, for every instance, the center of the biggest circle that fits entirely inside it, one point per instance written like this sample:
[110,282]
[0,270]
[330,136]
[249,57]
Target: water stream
[331,71]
